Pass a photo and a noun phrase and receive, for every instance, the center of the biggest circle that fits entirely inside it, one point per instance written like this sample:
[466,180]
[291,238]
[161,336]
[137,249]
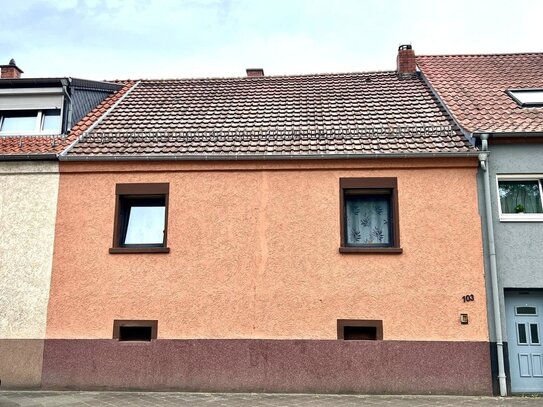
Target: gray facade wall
[519,250]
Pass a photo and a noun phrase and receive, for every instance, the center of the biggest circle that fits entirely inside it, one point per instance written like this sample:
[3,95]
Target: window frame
[118,323]
[139,191]
[364,323]
[38,123]
[519,217]
[377,184]
[511,93]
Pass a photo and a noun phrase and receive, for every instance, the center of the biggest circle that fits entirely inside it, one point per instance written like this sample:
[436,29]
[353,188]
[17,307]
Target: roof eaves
[27,157]
[248,157]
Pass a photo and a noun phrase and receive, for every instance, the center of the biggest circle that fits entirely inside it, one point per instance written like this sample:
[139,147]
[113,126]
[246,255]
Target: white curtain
[520,196]
[367,220]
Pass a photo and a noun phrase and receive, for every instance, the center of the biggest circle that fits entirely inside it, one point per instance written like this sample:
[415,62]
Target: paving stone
[121,399]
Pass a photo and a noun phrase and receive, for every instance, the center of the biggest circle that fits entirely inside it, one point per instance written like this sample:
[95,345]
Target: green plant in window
[520,208]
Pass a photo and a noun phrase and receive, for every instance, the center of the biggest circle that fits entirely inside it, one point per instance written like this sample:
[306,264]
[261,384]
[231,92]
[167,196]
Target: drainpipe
[483,160]
[69,113]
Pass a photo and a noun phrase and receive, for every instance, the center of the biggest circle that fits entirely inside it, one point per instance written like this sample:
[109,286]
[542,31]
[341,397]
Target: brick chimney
[251,72]
[10,71]
[407,65]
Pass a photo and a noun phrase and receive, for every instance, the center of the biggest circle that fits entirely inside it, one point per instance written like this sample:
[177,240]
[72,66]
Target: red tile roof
[356,113]
[474,89]
[36,146]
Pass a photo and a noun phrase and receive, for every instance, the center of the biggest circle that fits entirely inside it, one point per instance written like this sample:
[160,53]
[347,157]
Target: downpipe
[483,161]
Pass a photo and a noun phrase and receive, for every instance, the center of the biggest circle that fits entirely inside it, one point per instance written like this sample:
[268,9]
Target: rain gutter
[245,157]
[33,157]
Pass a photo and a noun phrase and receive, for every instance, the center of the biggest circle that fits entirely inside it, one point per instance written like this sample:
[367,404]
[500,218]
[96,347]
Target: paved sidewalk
[115,399]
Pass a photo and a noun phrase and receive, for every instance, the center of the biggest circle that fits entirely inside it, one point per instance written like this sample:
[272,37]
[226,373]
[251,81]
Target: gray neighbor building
[497,100]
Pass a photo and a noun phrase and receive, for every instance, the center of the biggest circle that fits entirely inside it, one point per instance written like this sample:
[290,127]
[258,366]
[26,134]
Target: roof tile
[356,113]
[474,88]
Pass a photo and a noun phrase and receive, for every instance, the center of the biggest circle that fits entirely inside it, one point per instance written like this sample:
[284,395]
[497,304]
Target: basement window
[359,329]
[527,97]
[135,330]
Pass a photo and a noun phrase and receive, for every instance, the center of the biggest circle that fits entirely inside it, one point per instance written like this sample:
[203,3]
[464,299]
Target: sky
[135,39]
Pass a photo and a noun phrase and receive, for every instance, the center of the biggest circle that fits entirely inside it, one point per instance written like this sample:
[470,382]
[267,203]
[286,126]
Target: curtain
[367,220]
[520,196]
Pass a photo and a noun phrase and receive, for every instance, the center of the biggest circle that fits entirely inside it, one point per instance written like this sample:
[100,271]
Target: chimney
[407,65]
[10,71]
[251,72]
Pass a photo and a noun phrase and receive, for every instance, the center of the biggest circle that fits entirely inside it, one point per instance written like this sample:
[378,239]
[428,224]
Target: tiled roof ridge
[476,55]
[263,78]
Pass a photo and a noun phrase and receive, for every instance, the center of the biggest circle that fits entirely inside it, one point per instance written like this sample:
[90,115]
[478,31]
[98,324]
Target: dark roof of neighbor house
[38,147]
[275,116]
[474,89]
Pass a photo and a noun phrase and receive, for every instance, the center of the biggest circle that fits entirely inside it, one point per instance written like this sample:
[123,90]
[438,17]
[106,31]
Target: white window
[29,122]
[527,97]
[520,198]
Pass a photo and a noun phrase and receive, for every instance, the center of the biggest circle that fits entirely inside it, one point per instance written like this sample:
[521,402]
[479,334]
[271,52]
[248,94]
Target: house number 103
[468,298]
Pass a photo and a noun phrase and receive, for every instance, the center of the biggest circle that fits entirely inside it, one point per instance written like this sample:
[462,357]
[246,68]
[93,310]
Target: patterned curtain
[367,220]
[520,196]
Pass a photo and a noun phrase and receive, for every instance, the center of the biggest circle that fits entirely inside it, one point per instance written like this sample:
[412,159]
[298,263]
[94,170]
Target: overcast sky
[119,39]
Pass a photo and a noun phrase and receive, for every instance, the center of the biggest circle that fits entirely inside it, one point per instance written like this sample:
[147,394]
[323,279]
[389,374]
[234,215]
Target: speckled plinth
[400,367]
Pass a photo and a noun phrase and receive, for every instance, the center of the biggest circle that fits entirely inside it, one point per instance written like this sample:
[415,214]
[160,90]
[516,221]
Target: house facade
[37,118]
[287,234]
[498,102]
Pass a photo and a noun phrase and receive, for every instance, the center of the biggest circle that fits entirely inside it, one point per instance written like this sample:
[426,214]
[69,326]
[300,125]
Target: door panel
[537,370]
[524,317]
[524,364]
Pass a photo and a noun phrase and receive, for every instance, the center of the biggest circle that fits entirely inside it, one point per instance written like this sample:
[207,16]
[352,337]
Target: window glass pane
[367,220]
[522,334]
[526,311]
[529,96]
[51,121]
[21,121]
[520,197]
[145,225]
[534,333]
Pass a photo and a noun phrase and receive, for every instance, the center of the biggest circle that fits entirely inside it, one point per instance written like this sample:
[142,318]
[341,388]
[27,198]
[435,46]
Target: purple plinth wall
[323,366]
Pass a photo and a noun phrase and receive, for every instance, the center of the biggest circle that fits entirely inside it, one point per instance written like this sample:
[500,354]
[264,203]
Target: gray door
[524,312]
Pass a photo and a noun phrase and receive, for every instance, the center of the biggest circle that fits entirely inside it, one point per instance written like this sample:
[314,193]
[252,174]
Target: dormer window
[527,97]
[25,122]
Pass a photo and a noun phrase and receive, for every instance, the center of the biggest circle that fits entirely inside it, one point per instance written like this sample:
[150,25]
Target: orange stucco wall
[254,253]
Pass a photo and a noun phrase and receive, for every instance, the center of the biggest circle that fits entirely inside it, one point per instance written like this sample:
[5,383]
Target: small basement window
[135,330]
[359,329]
[527,97]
